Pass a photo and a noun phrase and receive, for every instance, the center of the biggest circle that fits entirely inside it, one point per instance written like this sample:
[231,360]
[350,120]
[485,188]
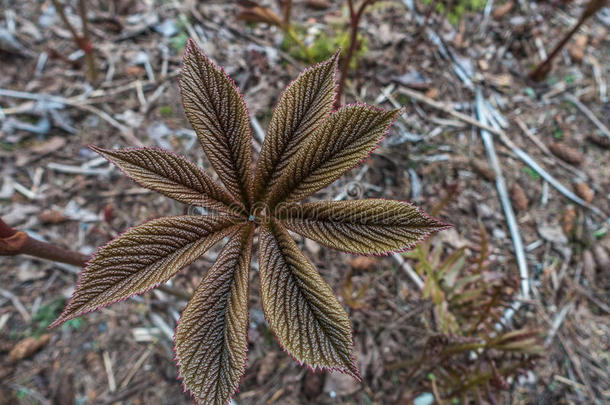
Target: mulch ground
[57,189]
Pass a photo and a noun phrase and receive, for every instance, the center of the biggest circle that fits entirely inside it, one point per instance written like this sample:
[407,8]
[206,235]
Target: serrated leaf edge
[398,112]
[62,319]
[185,389]
[442,226]
[191,46]
[332,110]
[228,211]
[315,369]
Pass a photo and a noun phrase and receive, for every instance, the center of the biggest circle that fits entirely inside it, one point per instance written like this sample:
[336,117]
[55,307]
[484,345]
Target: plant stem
[543,69]
[286,9]
[354,22]
[81,41]
[87,46]
[14,242]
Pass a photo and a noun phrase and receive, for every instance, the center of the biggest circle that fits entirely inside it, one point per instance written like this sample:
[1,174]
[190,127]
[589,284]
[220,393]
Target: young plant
[455,9]
[307,147]
[468,353]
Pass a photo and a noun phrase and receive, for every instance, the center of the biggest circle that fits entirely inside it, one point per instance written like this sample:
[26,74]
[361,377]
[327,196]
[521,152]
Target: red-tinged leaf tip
[302,108]
[172,176]
[302,310]
[217,112]
[211,338]
[346,138]
[142,258]
[371,226]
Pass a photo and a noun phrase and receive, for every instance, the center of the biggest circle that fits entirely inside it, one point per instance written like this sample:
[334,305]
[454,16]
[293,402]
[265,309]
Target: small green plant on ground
[351,40]
[469,354]
[325,44]
[455,9]
[307,147]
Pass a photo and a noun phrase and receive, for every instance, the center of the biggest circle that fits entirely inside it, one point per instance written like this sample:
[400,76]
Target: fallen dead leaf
[483,169]
[519,197]
[318,4]
[568,220]
[567,153]
[52,216]
[552,233]
[600,140]
[584,191]
[53,144]
[27,347]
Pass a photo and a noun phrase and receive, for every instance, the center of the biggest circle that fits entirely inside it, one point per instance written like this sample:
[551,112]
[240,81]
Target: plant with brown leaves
[307,147]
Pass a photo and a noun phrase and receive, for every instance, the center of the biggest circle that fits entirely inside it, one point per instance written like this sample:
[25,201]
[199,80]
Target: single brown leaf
[142,258]
[173,176]
[584,191]
[482,168]
[567,153]
[345,139]
[303,106]
[211,338]
[258,14]
[27,347]
[216,110]
[600,140]
[503,9]
[302,310]
[373,226]
[519,197]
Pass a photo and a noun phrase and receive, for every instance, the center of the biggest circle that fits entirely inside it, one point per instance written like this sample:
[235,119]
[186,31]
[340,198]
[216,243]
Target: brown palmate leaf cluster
[307,147]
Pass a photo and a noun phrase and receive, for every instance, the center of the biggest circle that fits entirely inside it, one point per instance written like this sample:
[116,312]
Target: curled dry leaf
[600,140]
[568,220]
[483,169]
[252,12]
[318,4]
[567,153]
[27,347]
[519,197]
[363,263]
[578,46]
[584,191]
[306,148]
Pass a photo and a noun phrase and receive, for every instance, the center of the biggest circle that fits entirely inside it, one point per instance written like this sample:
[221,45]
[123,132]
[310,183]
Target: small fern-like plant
[307,147]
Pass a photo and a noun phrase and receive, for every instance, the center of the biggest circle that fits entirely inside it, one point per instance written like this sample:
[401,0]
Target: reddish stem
[14,242]
[544,68]
[354,21]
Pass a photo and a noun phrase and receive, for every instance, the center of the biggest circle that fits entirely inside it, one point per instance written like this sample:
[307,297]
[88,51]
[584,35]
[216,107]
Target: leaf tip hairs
[307,147]
[217,112]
